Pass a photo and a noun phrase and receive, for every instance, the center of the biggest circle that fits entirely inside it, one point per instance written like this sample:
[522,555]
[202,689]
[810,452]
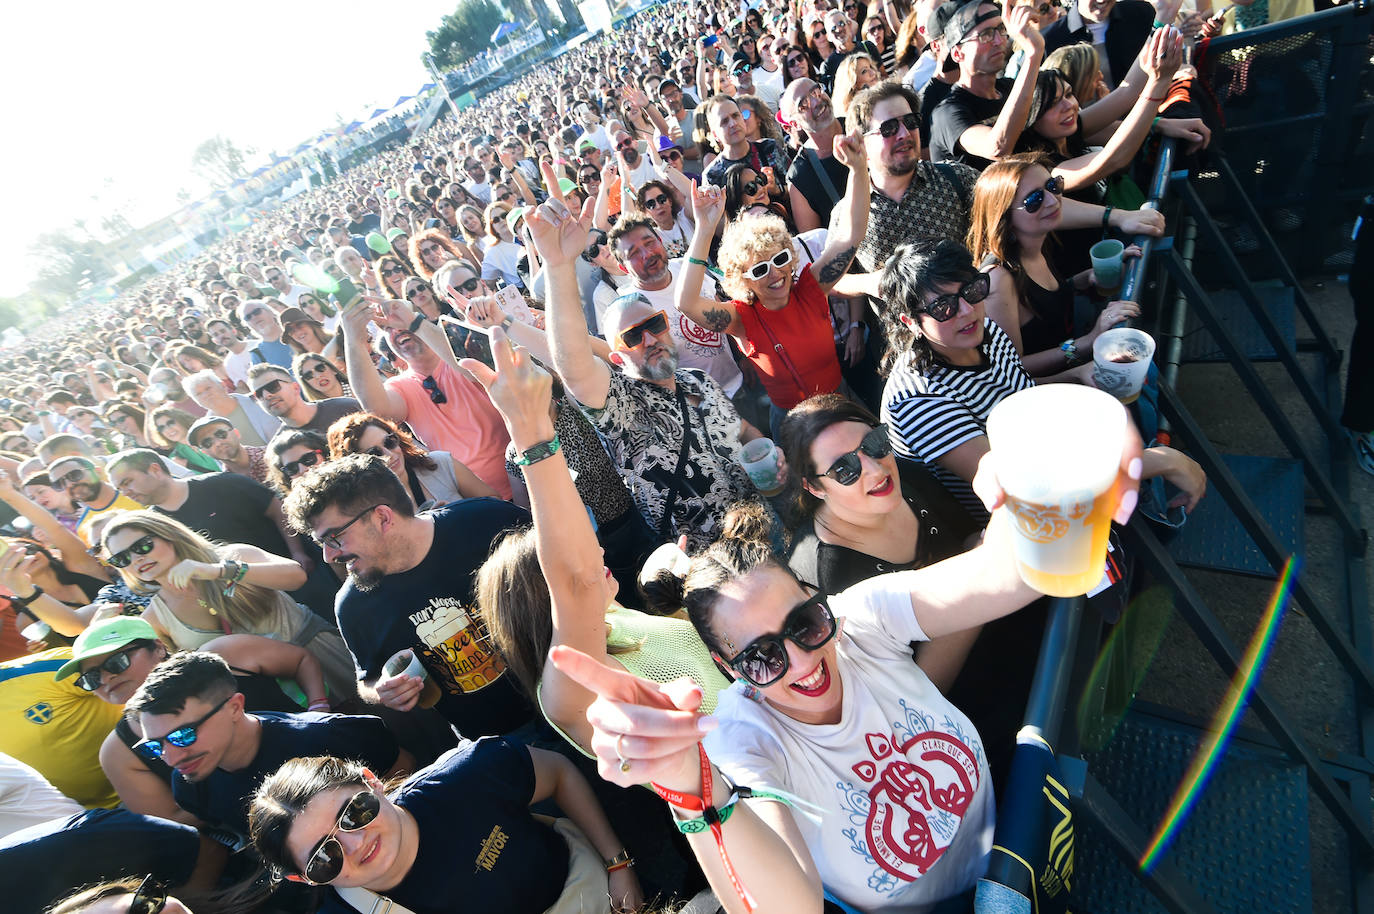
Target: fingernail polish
[1127,506]
[1135,468]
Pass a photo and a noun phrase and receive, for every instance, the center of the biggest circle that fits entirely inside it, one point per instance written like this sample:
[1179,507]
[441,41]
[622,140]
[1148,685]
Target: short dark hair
[861,108]
[350,484]
[803,423]
[181,677]
[916,269]
[623,227]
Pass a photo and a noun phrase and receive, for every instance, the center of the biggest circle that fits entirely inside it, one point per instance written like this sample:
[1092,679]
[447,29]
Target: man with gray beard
[410,592]
[673,434]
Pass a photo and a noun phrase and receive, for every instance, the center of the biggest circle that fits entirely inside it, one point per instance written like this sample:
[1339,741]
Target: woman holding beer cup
[1016,207]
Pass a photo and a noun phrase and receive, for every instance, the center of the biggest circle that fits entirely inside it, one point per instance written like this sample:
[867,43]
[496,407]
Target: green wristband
[700,263]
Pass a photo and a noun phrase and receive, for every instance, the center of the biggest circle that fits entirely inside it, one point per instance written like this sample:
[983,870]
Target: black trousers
[1359,384]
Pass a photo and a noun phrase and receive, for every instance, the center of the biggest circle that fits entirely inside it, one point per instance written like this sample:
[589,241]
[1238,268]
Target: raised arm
[1000,139]
[74,554]
[363,376]
[850,219]
[279,659]
[709,204]
[569,554]
[561,237]
[485,312]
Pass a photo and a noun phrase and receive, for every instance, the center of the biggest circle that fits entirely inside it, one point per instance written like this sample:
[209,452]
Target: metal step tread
[1213,537]
[1277,298]
[1244,847]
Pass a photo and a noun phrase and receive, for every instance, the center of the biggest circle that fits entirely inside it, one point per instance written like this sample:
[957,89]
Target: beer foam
[1054,443]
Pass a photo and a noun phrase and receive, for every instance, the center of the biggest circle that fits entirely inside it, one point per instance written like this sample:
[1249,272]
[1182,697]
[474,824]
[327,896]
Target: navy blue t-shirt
[479,844]
[224,797]
[431,609]
[56,857]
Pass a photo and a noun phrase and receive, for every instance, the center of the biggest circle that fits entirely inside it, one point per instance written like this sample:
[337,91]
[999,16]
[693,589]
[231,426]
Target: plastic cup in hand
[1057,449]
[36,631]
[1107,258]
[761,459]
[407,663]
[1121,360]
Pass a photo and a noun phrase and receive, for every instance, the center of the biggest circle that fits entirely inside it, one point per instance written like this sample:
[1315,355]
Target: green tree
[464,33]
[65,262]
[220,161]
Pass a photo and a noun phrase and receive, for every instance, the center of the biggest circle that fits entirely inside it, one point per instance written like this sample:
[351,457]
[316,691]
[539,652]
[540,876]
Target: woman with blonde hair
[857,72]
[169,429]
[501,258]
[203,590]
[433,478]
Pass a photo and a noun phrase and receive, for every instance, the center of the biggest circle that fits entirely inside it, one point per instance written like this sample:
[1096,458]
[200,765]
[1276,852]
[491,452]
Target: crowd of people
[398,544]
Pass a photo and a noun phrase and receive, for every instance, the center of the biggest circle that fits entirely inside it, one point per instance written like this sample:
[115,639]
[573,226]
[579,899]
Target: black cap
[739,58]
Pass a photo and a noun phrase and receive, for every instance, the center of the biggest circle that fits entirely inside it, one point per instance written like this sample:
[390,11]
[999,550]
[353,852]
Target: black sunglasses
[310,374]
[270,387]
[1036,198]
[121,559]
[149,898]
[113,664]
[810,625]
[470,286]
[218,434]
[633,335]
[888,128]
[654,202]
[847,468]
[69,477]
[392,271]
[749,188]
[302,463]
[431,386]
[181,737]
[327,857]
[390,443]
[946,306]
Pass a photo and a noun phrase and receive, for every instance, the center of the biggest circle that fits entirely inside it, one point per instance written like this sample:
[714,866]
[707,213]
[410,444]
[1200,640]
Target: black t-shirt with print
[431,609]
[479,846]
[960,110]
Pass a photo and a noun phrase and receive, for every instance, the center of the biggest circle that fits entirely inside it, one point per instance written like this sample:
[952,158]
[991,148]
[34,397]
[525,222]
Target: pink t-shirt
[467,425]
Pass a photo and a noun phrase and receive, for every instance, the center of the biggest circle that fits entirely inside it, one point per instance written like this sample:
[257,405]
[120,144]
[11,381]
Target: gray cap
[964,20]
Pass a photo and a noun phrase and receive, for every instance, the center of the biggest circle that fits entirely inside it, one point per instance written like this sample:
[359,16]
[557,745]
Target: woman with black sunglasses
[457,830]
[433,478]
[1016,208]
[133,895]
[320,378]
[292,454]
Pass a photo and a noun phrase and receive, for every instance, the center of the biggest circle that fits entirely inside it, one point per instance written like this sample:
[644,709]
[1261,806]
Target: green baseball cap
[103,637]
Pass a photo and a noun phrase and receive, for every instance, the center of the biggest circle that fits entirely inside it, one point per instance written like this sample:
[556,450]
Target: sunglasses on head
[121,559]
[60,483]
[761,269]
[810,625]
[633,335]
[847,468]
[1036,198]
[114,665]
[181,737]
[390,443]
[946,306]
[431,386]
[149,898]
[326,858]
[218,434]
[301,463]
[888,128]
[270,387]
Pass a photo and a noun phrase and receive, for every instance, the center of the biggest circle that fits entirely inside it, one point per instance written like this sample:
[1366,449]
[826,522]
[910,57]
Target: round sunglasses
[810,625]
[1036,198]
[326,859]
[847,468]
[389,443]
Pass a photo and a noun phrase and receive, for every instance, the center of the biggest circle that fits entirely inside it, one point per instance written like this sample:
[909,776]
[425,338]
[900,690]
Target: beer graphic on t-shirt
[455,646]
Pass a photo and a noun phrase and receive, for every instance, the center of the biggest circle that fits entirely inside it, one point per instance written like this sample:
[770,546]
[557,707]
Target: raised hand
[390,312]
[558,235]
[850,151]
[1162,54]
[519,388]
[1022,29]
[708,203]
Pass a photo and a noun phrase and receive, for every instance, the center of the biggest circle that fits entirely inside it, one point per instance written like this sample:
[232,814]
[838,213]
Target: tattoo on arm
[716,319]
[834,268]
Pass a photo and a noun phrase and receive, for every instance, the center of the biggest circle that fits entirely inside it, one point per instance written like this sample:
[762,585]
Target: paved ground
[1303,673]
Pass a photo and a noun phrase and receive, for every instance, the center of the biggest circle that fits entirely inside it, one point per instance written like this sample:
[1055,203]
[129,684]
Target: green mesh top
[659,649]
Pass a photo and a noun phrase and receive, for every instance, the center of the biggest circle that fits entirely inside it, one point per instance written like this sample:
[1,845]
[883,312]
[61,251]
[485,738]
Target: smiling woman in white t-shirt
[886,800]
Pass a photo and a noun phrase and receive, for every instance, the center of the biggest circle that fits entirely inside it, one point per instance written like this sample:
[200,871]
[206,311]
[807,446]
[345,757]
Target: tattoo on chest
[836,266]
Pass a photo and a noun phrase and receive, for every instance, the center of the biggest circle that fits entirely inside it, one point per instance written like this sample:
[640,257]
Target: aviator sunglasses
[847,468]
[327,858]
[1036,198]
[763,661]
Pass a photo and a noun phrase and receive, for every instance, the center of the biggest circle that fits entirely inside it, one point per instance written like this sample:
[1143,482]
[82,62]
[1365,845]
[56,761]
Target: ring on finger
[620,754]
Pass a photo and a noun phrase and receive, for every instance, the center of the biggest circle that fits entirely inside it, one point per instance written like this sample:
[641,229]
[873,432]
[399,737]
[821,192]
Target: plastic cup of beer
[408,663]
[1057,449]
[761,459]
[1107,257]
[1121,360]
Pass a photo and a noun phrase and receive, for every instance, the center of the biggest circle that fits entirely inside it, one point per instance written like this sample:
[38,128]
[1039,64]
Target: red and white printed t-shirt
[902,782]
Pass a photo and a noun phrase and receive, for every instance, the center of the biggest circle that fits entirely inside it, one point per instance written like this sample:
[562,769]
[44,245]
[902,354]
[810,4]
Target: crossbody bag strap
[822,175]
[369,902]
[781,352]
[665,525]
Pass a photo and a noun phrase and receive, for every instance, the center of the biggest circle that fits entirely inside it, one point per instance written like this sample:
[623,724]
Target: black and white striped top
[933,413]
